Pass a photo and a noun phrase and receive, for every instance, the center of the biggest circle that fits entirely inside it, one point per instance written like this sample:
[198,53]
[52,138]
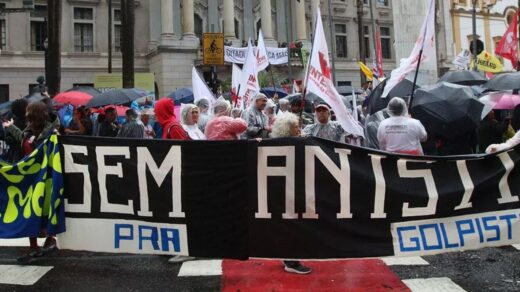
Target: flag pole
[419,60]
[415,77]
[304,92]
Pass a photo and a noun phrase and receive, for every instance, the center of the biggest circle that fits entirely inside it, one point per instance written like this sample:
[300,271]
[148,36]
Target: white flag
[425,42]
[249,86]
[320,83]
[200,89]
[261,54]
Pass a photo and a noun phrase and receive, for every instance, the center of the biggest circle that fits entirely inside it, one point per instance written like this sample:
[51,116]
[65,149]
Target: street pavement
[491,269]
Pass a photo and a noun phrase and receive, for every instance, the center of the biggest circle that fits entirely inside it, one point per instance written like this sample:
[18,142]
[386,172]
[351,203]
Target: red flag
[508,45]
[379,55]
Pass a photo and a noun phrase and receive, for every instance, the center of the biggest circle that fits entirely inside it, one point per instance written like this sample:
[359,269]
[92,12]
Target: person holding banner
[190,117]
[510,143]
[400,133]
[166,118]
[288,125]
[38,129]
[224,127]
[257,121]
[324,127]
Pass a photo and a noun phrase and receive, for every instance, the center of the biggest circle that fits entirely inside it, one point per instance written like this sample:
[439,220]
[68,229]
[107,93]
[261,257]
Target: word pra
[456,233]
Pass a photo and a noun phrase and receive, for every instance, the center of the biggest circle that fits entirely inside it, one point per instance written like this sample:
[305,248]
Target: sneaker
[180,259]
[50,244]
[296,267]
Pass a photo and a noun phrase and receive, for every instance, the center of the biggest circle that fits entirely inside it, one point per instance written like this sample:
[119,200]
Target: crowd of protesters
[392,130]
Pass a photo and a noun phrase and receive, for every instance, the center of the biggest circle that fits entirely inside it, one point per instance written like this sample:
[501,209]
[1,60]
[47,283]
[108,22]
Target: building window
[386,42]
[83,29]
[344,83]
[385,3]
[366,37]
[3,35]
[4,93]
[199,26]
[237,27]
[3,30]
[341,40]
[116,21]
[38,27]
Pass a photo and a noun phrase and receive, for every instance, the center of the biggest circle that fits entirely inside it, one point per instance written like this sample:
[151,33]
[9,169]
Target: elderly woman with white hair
[222,126]
[286,125]
[400,133]
[190,116]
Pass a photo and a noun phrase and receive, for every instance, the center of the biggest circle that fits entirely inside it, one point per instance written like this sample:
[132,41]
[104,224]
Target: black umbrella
[447,109]
[375,100]
[116,97]
[309,100]
[465,77]
[347,90]
[85,89]
[505,81]
[35,96]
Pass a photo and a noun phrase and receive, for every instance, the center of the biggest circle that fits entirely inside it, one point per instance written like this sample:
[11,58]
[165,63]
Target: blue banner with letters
[31,194]
[293,198]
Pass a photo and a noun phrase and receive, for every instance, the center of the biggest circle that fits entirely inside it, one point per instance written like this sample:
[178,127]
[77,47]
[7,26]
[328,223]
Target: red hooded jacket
[165,116]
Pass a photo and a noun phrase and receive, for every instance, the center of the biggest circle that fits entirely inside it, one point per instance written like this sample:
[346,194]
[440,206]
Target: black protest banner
[283,198]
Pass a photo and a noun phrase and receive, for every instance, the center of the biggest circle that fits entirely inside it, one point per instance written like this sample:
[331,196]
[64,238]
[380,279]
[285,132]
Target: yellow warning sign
[213,49]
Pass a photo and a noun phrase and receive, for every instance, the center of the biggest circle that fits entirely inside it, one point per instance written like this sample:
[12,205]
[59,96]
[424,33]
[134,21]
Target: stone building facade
[168,32]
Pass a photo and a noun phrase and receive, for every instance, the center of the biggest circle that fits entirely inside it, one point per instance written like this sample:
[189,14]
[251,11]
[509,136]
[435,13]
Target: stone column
[301,25]
[167,17]
[315,6]
[265,14]
[188,22]
[229,19]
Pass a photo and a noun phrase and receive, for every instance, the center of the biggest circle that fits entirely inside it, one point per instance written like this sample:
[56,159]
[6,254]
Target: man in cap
[257,121]
[400,133]
[324,127]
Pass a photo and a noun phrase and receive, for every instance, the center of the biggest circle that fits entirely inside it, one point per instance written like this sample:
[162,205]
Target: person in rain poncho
[257,121]
[131,128]
[269,112]
[149,133]
[400,133]
[372,123]
[190,114]
[283,106]
[166,118]
[297,108]
[324,127]
[203,105]
[222,126]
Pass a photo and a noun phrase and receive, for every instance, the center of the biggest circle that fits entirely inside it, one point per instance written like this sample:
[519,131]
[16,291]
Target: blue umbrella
[271,91]
[182,95]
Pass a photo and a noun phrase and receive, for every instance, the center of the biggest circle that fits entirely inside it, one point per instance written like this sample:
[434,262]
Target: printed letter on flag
[261,54]
[249,86]
[425,42]
[320,83]
[236,75]
[508,45]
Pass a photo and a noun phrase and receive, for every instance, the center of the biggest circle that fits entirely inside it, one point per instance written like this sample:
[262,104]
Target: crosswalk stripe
[404,261]
[201,268]
[517,246]
[433,285]
[21,275]
[19,242]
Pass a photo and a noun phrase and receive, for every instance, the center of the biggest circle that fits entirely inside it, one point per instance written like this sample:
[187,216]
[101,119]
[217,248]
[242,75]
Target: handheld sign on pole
[213,51]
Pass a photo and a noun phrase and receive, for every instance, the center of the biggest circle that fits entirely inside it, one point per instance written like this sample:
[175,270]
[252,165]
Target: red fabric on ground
[343,275]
